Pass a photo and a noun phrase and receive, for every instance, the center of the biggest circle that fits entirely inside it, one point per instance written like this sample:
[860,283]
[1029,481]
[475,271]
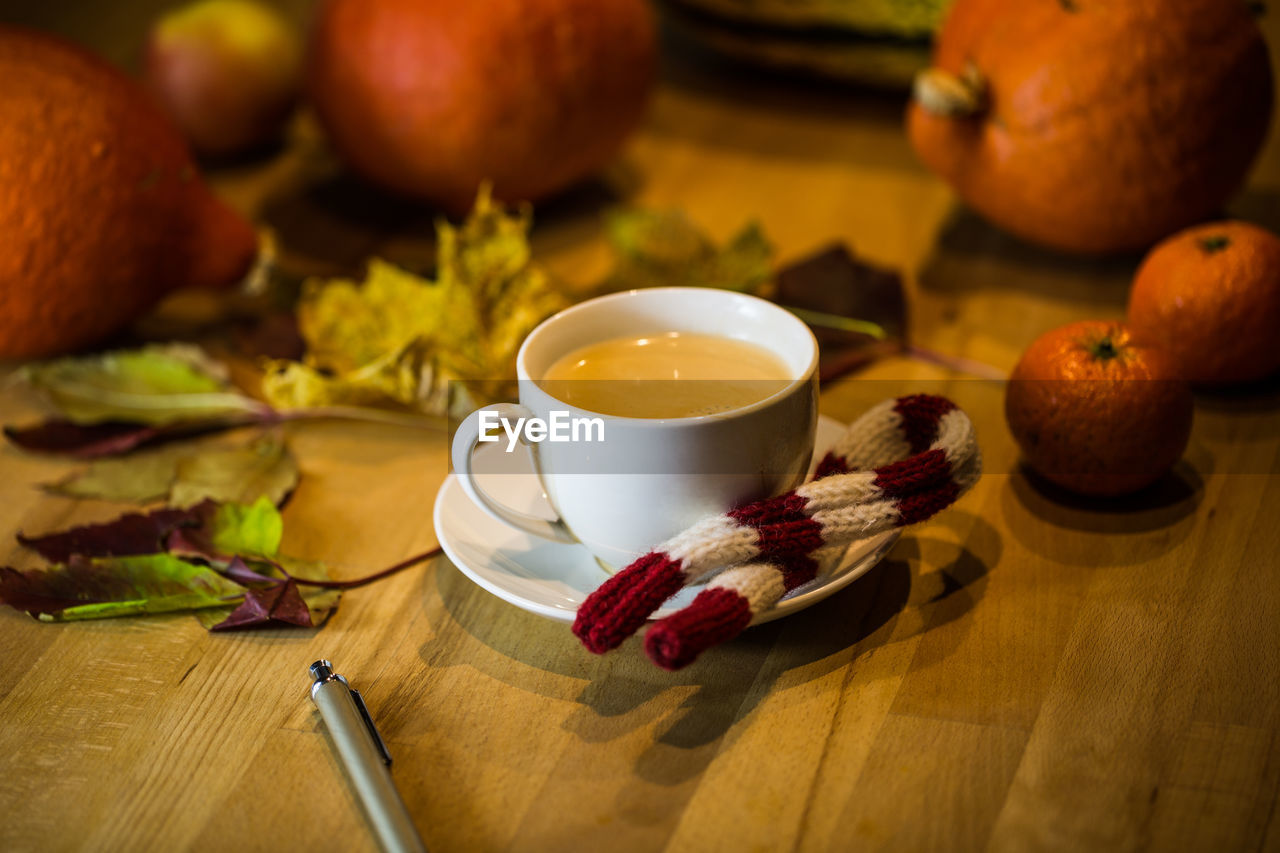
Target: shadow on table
[332,222]
[1234,412]
[773,112]
[892,603]
[969,253]
[1161,515]
[1258,205]
[624,691]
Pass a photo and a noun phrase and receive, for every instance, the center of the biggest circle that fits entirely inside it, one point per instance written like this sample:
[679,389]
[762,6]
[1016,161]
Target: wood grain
[1026,672]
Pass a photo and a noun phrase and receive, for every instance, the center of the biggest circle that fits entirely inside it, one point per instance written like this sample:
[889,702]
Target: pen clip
[368,722]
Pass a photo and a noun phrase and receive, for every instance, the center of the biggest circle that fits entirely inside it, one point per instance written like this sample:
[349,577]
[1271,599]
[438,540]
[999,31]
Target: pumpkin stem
[945,94]
[1105,349]
[1214,243]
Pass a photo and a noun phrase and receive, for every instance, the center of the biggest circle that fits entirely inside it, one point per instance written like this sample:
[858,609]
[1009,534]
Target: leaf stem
[368,579]
[358,413]
[956,363]
[836,321]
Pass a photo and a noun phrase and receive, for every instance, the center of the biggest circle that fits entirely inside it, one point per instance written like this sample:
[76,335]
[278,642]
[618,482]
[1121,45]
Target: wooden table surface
[1025,672]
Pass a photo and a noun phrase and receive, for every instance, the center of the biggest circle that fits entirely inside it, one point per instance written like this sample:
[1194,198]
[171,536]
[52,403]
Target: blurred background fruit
[229,72]
[1094,127]
[1096,413]
[431,97]
[1210,296]
[900,18]
[102,211]
[880,43]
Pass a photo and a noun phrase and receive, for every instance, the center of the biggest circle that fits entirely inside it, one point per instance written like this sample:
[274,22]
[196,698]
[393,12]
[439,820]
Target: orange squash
[1094,125]
[102,211]
[431,98]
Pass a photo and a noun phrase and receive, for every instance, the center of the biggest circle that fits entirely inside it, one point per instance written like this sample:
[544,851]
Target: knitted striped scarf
[897,465]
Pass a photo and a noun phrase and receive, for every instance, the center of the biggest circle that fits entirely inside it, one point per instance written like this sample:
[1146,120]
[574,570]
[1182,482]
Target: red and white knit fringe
[898,464]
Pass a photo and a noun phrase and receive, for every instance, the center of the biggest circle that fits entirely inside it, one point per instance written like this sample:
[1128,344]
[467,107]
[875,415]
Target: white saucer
[551,578]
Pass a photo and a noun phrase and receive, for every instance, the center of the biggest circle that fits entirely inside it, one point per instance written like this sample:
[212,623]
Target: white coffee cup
[650,478]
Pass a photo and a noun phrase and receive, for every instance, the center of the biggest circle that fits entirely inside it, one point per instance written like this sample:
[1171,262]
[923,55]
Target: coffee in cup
[668,374]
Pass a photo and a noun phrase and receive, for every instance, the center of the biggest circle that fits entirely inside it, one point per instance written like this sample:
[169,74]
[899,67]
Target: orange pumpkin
[431,98]
[102,212]
[1094,126]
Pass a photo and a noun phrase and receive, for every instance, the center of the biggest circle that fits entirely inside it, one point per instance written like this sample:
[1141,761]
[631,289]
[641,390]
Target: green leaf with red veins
[663,248]
[139,478]
[99,588]
[128,535]
[158,384]
[280,604]
[263,468]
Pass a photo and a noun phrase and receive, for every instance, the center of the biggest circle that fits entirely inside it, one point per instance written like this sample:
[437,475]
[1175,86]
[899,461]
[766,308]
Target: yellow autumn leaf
[398,340]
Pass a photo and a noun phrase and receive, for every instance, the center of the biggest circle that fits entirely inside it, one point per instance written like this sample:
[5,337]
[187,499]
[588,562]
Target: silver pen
[365,758]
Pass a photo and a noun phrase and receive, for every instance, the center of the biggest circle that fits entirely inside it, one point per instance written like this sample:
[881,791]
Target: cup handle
[464,446]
